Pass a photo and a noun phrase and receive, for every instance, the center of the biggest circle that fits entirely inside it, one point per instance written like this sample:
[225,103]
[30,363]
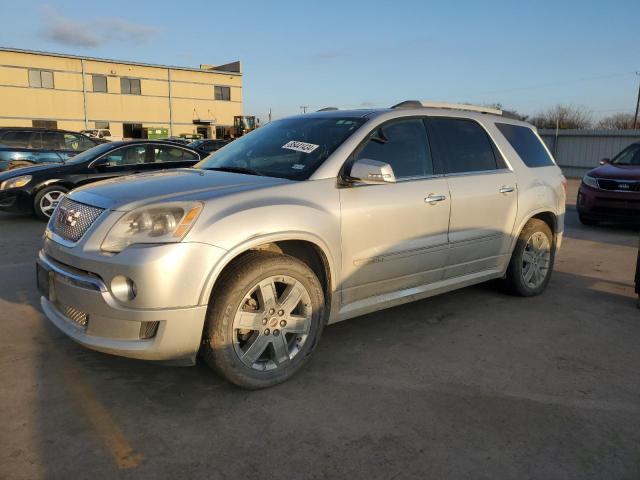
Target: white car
[101,133]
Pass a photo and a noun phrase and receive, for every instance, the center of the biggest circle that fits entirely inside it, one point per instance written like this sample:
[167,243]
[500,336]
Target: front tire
[264,320]
[46,200]
[532,260]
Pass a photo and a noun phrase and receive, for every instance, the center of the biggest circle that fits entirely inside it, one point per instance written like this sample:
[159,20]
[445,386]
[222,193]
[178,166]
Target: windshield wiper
[248,171]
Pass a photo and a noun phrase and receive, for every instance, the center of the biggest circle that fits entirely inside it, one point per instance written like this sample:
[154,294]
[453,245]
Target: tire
[587,220]
[46,199]
[288,338]
[535,249]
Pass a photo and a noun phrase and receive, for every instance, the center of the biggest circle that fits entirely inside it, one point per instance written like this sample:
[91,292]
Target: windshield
[290,148]
[90,154]
[629,156]
[195,144]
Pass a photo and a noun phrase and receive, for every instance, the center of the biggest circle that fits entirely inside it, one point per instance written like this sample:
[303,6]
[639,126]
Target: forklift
[243,125]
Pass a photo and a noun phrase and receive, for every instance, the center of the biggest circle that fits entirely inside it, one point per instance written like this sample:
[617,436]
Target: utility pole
[304,108]
[635,118]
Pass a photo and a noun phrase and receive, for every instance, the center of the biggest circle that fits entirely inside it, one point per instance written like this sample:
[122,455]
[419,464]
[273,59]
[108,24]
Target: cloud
[91,33]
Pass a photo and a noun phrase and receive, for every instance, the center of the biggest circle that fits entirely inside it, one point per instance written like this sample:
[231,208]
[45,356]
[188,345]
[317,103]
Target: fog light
[123,288]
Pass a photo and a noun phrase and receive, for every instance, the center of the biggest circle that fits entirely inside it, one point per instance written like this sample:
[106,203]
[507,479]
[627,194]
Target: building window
[99,83]
[44,123]
[133,130]
[222,93]
[40,79]
[102,125]
[130,86]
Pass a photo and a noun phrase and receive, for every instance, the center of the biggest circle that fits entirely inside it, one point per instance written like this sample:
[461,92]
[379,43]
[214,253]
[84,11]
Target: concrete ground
[471,384]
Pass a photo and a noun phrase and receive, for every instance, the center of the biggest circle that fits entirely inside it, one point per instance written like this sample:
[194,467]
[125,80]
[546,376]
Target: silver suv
[309,220]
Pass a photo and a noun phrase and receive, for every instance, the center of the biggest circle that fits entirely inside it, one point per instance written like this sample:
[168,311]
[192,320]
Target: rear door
[119,162]
[394,235]
[484,199]
[162,156]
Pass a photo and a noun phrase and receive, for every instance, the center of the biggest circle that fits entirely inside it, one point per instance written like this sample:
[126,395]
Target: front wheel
[46,201]
[531,263]
[264,320]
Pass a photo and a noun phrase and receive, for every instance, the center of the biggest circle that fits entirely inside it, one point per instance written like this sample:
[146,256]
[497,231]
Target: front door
[394,235]
[484,197]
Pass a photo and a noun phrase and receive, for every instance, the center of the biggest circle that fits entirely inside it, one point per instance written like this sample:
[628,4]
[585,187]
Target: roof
[126,62]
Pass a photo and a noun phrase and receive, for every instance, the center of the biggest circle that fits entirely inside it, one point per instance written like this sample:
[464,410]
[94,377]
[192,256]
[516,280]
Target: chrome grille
[72,219]
[78,317]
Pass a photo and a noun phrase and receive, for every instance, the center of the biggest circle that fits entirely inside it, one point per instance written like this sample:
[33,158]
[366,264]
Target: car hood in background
[28,170]
[616,172]
[127,193]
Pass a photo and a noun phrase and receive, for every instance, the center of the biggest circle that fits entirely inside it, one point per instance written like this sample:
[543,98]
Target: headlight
[15,182]
[162,223]
[590,181]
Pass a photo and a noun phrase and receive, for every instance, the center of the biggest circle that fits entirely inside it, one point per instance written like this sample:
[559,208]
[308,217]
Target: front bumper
[79,301]
[600,204]
[15,200]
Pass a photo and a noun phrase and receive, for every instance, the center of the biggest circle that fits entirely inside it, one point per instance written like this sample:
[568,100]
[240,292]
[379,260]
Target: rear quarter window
[526,144]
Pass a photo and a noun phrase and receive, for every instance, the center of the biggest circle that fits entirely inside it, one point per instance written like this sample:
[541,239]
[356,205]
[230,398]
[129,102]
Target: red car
[611,192]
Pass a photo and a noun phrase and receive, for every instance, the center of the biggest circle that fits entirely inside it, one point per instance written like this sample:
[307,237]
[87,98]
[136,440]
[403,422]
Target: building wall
[170,97]
[578,151]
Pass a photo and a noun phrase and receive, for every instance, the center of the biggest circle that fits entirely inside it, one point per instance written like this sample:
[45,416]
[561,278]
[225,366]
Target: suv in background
[24,146]
[307,221]
[611,192]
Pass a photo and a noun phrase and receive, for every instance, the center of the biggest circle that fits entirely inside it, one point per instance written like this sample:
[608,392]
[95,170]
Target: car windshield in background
[630,156]
[291,148]
[90,154]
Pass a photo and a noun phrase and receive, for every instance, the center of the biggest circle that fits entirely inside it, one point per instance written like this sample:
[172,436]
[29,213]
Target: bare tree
[618,121]
[563,116]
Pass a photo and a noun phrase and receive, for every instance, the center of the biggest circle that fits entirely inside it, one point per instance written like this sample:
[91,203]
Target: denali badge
[623,186]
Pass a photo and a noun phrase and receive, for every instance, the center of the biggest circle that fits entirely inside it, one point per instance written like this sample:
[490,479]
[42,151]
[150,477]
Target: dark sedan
[207,146]
[611,192]
[39,188]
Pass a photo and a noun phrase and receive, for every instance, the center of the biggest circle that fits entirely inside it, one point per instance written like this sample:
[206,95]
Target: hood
[16,172]
[616,172]
[127,193]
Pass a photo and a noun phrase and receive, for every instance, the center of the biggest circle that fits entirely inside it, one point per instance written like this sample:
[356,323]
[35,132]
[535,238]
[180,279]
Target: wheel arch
[546,215]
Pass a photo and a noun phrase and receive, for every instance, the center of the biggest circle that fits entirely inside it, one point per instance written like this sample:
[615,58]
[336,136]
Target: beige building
[130,99]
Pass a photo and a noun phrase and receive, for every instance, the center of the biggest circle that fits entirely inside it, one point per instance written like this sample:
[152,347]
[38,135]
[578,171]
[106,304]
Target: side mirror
[605,161]
[372,172]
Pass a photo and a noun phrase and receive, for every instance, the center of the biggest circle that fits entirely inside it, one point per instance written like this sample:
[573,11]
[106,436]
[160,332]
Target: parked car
[39,188]
[309,220]
[207,146]
[22,146]
[611,192]
[100,133]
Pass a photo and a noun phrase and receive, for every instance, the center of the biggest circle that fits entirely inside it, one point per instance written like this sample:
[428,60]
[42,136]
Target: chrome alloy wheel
[272,323]
[49,201]
[536,258]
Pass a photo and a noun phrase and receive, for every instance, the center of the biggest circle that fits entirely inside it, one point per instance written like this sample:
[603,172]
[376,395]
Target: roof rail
[450,106]
[327,109]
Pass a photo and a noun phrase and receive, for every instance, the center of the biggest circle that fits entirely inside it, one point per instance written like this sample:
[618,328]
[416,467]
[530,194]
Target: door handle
[506,189]
[432,198]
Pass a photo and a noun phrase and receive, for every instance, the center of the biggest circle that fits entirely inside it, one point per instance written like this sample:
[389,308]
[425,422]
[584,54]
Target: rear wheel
[264,320]
[46,201]
[531,263]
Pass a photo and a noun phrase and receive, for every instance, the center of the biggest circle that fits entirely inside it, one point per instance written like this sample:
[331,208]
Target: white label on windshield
[300,146]
[298,166]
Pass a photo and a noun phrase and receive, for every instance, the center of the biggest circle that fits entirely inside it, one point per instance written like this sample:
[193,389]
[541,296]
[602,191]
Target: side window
[99,83]
[526,144]
[76,143]
[462,145]
[222,93]
[16,139]
[52,141]
[172,154]
[403,145]
[126,156]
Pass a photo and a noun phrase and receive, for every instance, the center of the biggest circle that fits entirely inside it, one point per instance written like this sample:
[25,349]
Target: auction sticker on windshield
[300,146]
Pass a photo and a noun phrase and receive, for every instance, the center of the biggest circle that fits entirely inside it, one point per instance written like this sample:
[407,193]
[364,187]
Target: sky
[527,56]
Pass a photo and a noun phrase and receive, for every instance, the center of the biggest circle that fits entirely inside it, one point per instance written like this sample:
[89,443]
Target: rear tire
[46,200]
[532,260]
[264,320]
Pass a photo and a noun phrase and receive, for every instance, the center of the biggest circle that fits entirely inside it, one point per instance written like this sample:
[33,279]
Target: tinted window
[629,156]
[52,141]
[222,93]
[463,145]
[403,145]
[77,143]
[16,139]
[99,83]
[173,154]
[526,144]
[126,156]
